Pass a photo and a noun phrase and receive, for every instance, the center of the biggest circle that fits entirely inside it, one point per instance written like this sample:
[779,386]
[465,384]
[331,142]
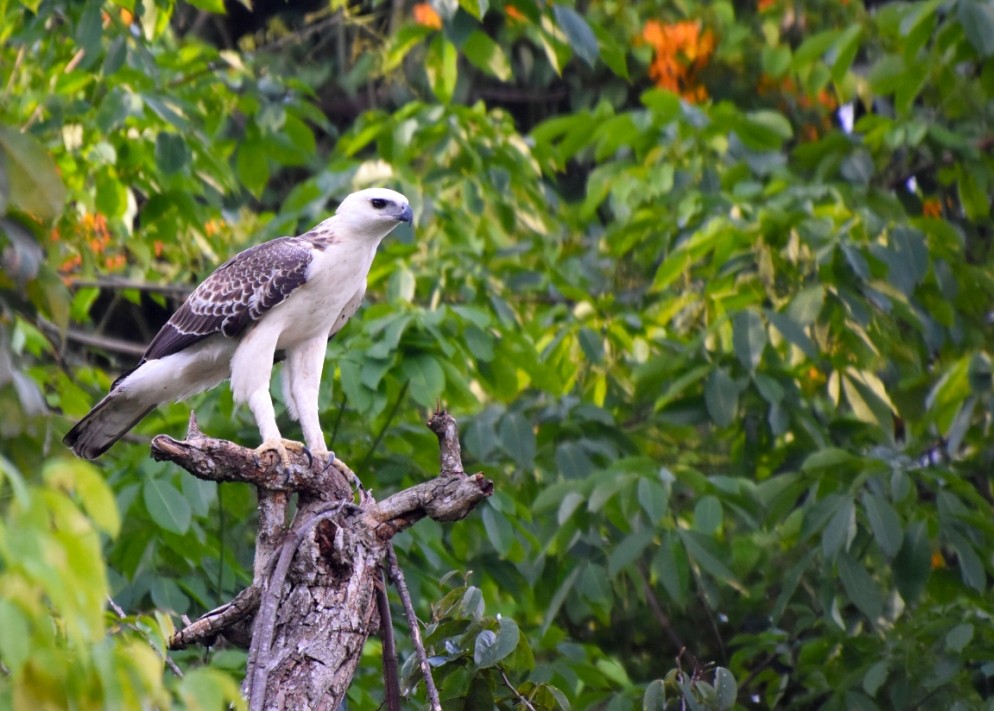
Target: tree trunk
[312,604]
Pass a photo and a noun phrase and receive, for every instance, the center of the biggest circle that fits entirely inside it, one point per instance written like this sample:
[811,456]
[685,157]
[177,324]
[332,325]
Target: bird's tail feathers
[108,421]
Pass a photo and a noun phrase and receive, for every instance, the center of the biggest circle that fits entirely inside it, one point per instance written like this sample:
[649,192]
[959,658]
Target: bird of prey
[282,298]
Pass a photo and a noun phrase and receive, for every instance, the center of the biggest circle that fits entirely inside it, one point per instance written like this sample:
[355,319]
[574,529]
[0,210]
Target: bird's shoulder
[240,291]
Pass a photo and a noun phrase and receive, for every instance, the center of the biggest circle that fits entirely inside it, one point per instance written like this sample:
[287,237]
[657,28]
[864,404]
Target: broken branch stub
[312,603]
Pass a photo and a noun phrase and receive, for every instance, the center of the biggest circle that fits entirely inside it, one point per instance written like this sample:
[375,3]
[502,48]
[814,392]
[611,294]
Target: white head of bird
[373,212]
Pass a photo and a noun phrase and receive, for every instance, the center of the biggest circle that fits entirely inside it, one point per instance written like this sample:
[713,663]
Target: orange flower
[514,13]
[764,5]
[932,207]
[938,560]
[681,51]
[426,16]
[157,248]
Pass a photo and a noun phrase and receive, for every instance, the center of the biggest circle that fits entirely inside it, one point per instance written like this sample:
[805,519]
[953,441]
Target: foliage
[725,351]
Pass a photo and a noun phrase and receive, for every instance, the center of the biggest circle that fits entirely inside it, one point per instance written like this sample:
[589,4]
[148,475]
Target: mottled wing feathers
[238,292]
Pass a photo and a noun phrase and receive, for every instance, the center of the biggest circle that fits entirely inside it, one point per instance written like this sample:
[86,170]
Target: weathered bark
[312,603]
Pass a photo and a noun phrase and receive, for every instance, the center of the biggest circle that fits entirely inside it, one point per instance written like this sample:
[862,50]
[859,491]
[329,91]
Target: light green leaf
[487,55]
[215,6]
[34,184]
[441,65]
[425,377]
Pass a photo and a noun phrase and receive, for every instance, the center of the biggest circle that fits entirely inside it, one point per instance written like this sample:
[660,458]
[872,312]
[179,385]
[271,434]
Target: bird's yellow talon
[282,447]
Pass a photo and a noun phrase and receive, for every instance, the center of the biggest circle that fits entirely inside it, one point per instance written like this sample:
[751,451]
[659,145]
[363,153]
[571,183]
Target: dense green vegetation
[725,354]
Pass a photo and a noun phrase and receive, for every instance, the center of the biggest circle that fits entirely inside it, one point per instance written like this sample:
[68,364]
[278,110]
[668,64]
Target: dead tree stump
[312,603]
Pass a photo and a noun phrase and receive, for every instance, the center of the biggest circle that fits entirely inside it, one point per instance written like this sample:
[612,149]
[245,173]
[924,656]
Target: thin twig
[391,676]
[177,291]
[115,345]
[657,610]
[120,613]
[517,694]
[397,575]
[265,621]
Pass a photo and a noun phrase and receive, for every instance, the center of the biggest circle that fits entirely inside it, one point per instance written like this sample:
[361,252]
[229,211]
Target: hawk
[280,299]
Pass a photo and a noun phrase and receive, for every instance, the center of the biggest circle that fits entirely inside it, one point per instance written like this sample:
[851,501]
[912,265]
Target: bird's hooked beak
[407,215]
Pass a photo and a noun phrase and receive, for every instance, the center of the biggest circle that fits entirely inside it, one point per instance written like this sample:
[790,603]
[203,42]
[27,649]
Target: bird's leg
[262,409]
[302,382]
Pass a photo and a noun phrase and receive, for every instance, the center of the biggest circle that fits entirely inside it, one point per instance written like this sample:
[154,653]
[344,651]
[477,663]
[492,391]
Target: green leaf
[698,550]
[793,332]
[15,642]
[33,182]
[725,688]
[721,395]
[654,698]
[764,130]
[628,551]
[582,39]
[476,8]
[913,563]
[748,338]
[441,64]
[845,49]
[166,505]
[401,43]
[708,515]
[959,637]
[860,587]
[498,530]
[215,6]
[252,166]
[170,152]
[840,529]
[518,439]
[875,677]
[487,55]
[425,377]
[492,648]
[884,523]
[970,565]
[977,20]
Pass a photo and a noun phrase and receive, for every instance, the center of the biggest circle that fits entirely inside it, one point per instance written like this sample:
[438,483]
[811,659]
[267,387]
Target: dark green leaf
[726,689]
[721,395]
[977,19]
[170,152]
[518,439]
[748,338]
[654,698]
[884,523]
[860,587]
[166,505]
[581,38]
[628,551]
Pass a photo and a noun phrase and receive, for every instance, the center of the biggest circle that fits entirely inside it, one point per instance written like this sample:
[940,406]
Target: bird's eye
[378,203]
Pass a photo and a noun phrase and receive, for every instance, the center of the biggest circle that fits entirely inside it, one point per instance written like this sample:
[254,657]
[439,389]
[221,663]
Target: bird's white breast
[333,278]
